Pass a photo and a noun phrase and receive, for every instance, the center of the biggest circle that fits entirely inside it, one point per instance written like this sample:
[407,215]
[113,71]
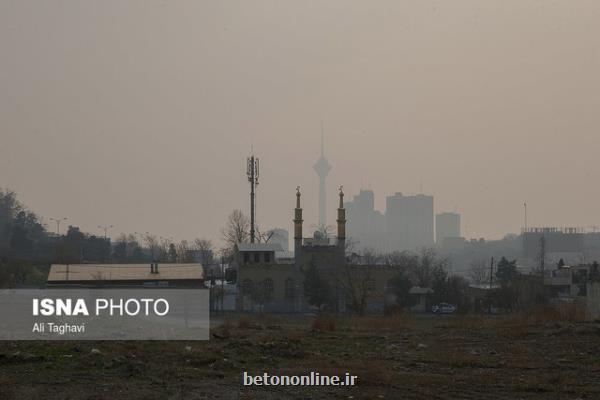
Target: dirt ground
[403,357]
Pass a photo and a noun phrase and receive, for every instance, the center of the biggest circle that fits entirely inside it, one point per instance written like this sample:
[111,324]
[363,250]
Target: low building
[421,298]
[593,300]
[567,282]
[266,282]
[126,275]
[480,296]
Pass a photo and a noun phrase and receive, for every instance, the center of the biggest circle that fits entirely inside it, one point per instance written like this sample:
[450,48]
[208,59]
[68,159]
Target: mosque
[272,280]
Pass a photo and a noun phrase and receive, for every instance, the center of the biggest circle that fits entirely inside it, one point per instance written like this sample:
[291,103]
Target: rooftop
[484,286]
[123,272]
[259,247]
[420,290]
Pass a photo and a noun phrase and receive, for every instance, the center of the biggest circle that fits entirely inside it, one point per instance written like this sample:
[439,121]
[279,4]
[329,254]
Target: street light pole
[58,221]
[105,228]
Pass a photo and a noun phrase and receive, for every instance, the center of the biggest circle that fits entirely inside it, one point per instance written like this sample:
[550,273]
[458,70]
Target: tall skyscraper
[447,225]
[322,168]
[409,221]
[365,224]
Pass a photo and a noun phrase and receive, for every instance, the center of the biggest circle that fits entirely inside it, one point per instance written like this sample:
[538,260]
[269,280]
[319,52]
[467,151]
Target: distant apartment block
[447,225]
[409,221]
[407,224]
[365,224]
[554,244]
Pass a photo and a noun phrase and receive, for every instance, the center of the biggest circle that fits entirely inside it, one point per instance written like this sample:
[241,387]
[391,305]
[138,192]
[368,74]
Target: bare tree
[357,284]
[182,250]
[153,245]
[356,280]
[350,246]
[428,269]
[370,257]
[205,247]
[479,272]
[264,237]
[163,249]
[402,259]
[237,230]
[131,244]
[325,230]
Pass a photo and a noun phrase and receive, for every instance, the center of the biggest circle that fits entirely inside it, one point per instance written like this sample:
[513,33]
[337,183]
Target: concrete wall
[593,300]
[279,273]
[258,273]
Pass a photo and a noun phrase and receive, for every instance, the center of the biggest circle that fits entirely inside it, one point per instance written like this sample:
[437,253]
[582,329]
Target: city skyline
[109,120]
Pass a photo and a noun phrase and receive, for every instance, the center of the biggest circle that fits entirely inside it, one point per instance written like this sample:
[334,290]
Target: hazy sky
[141,113]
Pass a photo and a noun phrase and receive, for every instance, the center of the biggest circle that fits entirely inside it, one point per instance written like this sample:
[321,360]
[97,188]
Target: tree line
[27,248]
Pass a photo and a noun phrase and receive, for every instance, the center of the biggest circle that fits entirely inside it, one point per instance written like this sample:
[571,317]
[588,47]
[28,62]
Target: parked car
[443,308]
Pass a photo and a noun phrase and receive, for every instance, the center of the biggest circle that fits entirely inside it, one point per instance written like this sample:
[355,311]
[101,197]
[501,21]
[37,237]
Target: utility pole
[58,221]
[542,255]
[525,231]
[105,228]
[222,285]
[212,291]
[252,172]
[491,281]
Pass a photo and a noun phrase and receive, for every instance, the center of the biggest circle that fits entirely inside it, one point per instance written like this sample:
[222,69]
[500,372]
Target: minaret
[298,230]
[322,168]
[341,224]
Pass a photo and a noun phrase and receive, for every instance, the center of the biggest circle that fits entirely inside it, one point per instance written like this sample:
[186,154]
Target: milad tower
[322,168]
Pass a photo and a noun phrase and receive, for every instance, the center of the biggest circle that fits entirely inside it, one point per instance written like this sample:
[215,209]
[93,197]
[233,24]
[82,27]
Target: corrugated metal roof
[484,286]
[259,247]
[123,272]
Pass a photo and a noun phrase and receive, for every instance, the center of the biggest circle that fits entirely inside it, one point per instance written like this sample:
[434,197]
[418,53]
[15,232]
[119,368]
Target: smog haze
[141,113]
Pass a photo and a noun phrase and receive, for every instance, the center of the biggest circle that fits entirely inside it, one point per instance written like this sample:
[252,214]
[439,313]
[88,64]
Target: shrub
[324,322]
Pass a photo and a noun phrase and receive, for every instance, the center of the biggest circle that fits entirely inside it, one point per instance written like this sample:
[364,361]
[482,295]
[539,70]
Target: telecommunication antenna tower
[252,171]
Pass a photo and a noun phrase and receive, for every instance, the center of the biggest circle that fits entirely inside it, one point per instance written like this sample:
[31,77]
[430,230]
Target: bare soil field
[401,357]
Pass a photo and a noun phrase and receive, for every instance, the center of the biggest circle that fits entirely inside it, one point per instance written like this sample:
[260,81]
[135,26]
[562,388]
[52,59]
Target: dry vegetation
[549,354]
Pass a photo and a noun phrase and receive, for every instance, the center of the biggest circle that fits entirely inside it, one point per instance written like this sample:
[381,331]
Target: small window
[290,288]
[246,258]
[256,257]
[267,257]
[268,288]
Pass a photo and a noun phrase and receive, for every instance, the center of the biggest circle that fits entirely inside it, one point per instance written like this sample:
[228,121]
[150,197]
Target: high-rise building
[365,224]
[409,222]
[447,225]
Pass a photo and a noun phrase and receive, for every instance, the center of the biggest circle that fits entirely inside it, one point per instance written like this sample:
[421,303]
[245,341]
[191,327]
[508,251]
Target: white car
[443,308]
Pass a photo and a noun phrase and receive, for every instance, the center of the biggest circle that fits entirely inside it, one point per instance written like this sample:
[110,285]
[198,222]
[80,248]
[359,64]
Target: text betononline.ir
[312,379]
